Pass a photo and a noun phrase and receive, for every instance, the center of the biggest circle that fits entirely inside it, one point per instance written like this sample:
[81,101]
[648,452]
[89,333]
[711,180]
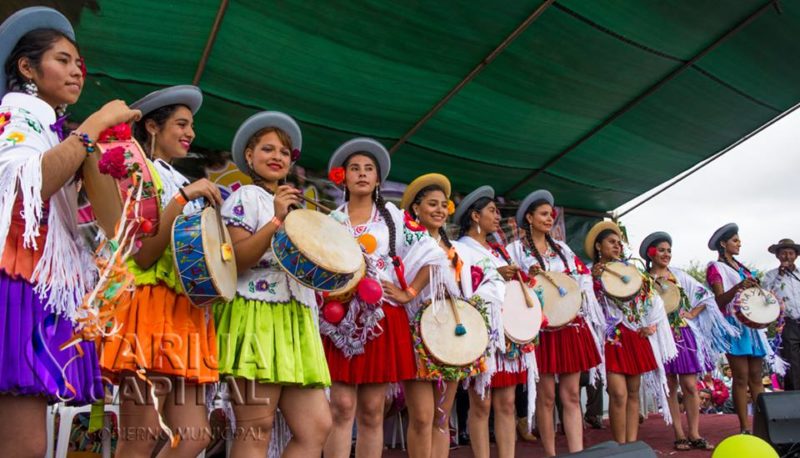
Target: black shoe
[463,439]
[593,422]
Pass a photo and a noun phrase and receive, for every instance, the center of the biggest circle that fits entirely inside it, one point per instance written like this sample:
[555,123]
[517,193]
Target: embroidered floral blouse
[251,207]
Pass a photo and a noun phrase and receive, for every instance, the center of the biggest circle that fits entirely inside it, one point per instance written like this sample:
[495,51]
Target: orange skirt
[162,332]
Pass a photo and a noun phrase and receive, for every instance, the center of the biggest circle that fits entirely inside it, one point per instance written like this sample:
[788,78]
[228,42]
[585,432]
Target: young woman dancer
[508,364]
[571,349]
[44,265]
[163,335]
[727,277]
[363,360]
[700,332]
[430,397]
[269,342]
[637,338]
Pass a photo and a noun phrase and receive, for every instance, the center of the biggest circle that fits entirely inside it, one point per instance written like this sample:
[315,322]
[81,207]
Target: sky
[754,185]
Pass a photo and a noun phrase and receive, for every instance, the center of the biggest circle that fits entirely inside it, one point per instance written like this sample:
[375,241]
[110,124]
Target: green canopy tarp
[599,101]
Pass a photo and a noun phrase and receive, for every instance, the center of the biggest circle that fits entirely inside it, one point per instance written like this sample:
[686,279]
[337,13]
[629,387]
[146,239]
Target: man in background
[784,282]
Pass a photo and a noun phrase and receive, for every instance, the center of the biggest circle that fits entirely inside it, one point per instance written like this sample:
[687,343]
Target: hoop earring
[31,88]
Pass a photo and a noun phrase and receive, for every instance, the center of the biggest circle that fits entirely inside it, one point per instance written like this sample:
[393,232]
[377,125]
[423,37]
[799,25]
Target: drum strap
[400,271]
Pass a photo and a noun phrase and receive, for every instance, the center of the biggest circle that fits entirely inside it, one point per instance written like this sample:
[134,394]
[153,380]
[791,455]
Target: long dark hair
[32,45]
[526,226]
[466,219]
[418,200]
[378,199]
[599,239]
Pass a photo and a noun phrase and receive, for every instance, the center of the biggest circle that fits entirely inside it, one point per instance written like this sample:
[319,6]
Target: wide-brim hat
[421,182]
[530,199]
[471,198]
[652,239]
[185,94]
[23,21]
[362,145]
[260,121]
[715,238]
[591,236]
[784,243]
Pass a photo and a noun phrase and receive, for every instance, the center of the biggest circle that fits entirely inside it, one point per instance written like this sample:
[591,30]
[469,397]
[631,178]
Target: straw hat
[421,182]
[591,236]
[784,243]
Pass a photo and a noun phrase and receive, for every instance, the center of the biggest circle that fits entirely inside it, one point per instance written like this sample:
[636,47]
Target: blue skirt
[748,343]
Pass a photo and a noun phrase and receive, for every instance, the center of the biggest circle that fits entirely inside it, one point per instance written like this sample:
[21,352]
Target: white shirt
[787,288]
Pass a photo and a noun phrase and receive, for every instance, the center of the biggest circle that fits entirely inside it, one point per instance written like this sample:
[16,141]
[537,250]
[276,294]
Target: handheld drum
[756,307]
[438,328]
[316,250]
[204,257]
[621,280]
[522,313]
[108,195]
[670,294]
[561,296]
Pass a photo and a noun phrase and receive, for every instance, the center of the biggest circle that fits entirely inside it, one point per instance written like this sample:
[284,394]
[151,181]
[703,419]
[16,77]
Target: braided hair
[378,199]
[466,219]
[529,238]
[418,200]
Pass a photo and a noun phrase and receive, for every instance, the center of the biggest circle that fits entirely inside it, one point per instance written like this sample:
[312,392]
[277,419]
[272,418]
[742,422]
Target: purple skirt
[687,360]
[31,363]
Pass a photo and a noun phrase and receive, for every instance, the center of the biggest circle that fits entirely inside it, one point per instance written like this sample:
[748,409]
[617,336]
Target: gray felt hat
[362,145]
[713,242]
[471,198]
[186,94]
[530,199]
[652,239]
[260,121]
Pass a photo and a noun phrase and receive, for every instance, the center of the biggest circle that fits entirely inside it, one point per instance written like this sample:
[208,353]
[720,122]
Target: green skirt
[270,342]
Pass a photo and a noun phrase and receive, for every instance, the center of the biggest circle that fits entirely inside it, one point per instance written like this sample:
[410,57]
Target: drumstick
[528,299]
[460,329]
[315,202]
[561,291]
[625,279]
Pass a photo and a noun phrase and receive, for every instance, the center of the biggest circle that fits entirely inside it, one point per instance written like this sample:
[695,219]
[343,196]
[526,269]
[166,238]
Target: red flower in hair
[336,175]
[82,65]
[651,252]
[112,162]
[295,155]
[554,213]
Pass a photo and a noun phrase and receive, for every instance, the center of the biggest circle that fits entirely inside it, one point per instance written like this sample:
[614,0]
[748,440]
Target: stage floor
[653,431]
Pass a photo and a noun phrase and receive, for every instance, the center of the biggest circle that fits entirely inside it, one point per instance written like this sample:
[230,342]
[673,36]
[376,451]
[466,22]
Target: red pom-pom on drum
[333,312]
[146,226]
[370,291]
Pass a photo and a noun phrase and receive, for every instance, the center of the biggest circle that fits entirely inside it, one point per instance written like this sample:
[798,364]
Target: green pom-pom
[460,329]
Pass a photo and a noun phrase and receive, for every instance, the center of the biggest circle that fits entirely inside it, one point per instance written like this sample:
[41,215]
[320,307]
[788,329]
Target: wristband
[179,197]
[411,291]
[86,141]
[183,193]
[277,222]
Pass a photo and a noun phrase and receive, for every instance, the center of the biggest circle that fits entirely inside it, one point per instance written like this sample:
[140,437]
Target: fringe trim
[776,363]
[281,435]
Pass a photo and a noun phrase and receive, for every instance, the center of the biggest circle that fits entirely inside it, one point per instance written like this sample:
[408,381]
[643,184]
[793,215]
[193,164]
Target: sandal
[701,444]
[682,445]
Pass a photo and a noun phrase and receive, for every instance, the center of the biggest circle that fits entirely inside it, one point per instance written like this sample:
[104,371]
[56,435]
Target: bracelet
[277,222]
[411,291]
[183,193]
[86,141]
[181,199]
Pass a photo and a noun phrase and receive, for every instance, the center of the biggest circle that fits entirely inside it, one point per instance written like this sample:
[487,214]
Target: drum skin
[205,272]
[520,322]
[756,307]
[559,310]
[437,328]
[616,286]
[670,294]
[316,250]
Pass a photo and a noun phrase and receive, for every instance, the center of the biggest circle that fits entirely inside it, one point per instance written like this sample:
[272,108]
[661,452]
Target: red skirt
[567,350]
[503,379]
[631,355]
[388,358]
